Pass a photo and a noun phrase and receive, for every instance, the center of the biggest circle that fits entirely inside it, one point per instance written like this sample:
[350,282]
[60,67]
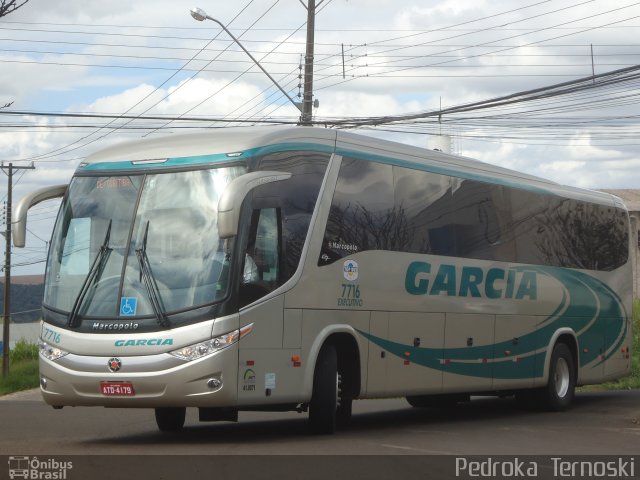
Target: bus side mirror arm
[19,225]
[235,193]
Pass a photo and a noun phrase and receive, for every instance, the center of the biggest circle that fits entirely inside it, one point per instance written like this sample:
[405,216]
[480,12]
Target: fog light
[43,382]
[214,383]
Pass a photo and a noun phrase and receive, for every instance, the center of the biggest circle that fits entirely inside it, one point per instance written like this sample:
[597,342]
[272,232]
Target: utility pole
[6,316]
[200,15]
[306,109]
[307,95]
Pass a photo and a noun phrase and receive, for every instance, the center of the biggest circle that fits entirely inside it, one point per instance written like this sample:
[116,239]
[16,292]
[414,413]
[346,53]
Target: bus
[298,268]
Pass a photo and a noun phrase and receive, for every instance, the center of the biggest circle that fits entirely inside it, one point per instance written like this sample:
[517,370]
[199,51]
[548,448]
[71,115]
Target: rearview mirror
[19,227]
[235,193]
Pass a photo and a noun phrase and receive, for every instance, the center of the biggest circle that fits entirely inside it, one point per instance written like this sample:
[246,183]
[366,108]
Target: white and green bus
[304,268]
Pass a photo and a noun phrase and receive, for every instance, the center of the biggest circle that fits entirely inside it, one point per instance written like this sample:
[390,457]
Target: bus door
[260,275]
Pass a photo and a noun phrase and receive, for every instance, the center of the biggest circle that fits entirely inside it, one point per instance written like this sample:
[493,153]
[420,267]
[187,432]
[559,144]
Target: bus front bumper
[141,381]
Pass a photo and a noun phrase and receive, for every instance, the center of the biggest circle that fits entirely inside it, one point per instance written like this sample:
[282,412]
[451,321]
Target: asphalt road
[598,423]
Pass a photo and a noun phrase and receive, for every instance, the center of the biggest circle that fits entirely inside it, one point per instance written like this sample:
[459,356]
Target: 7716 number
[350,291]
[51,335]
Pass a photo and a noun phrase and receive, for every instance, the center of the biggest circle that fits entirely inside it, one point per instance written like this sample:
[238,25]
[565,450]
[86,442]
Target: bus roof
[236,142]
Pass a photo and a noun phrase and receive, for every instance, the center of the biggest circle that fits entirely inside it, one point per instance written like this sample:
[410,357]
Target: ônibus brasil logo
[35,468]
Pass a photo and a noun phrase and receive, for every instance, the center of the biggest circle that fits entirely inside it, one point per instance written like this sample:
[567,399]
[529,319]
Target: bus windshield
[131,245]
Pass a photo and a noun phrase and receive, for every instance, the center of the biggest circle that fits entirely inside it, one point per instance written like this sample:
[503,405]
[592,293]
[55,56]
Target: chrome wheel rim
[561,377]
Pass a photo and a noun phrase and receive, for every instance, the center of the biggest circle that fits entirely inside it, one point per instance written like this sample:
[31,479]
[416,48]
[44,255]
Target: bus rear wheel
[170,419]
[560,389]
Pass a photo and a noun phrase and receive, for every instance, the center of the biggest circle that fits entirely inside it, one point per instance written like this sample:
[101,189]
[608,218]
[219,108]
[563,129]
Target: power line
[70,147]
[607,79]
[582,86]
[226,85]
[490,43]
[265,29]
[460,24]
[116,116]
[385,71]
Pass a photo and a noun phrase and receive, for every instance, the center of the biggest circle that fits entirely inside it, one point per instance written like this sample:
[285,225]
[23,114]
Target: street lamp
[200,15]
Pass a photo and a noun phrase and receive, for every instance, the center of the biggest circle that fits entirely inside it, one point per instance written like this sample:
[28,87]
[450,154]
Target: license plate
[117,389]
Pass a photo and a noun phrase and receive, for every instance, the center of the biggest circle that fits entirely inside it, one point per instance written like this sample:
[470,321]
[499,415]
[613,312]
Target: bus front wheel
[343,411]
[170,419]
[324,398]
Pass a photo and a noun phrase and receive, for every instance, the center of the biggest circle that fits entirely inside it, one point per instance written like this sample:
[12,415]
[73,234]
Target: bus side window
[261,270]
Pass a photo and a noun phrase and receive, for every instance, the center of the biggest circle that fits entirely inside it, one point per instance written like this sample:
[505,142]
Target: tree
[10,6]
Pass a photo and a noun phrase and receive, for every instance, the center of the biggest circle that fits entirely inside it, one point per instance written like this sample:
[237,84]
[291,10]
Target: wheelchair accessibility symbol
[128,306]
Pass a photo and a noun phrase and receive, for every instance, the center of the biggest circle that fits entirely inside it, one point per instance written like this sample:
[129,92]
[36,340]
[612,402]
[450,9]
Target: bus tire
[560,389]
[324,397]
[170,419]
[343,412]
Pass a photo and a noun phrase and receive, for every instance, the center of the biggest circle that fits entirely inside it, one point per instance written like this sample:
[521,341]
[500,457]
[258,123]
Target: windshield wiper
[94,274]
[146,276]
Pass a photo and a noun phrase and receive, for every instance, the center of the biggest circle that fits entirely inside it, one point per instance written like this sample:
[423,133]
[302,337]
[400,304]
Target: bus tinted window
[424,200]
[298,196]
[570,233]
[363,215]
[423,212]
[476,222]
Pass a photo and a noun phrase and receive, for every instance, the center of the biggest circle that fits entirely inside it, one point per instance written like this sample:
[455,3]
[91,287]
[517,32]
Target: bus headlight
[50,352]
[202,349]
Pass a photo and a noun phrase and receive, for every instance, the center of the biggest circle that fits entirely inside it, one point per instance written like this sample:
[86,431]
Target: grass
[23,369]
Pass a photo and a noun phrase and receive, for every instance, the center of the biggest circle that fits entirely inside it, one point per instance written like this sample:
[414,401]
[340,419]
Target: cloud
[350,104]
[197,97]
[400,56]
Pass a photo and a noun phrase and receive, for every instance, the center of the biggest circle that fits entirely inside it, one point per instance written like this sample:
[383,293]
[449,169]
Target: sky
[372,58]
